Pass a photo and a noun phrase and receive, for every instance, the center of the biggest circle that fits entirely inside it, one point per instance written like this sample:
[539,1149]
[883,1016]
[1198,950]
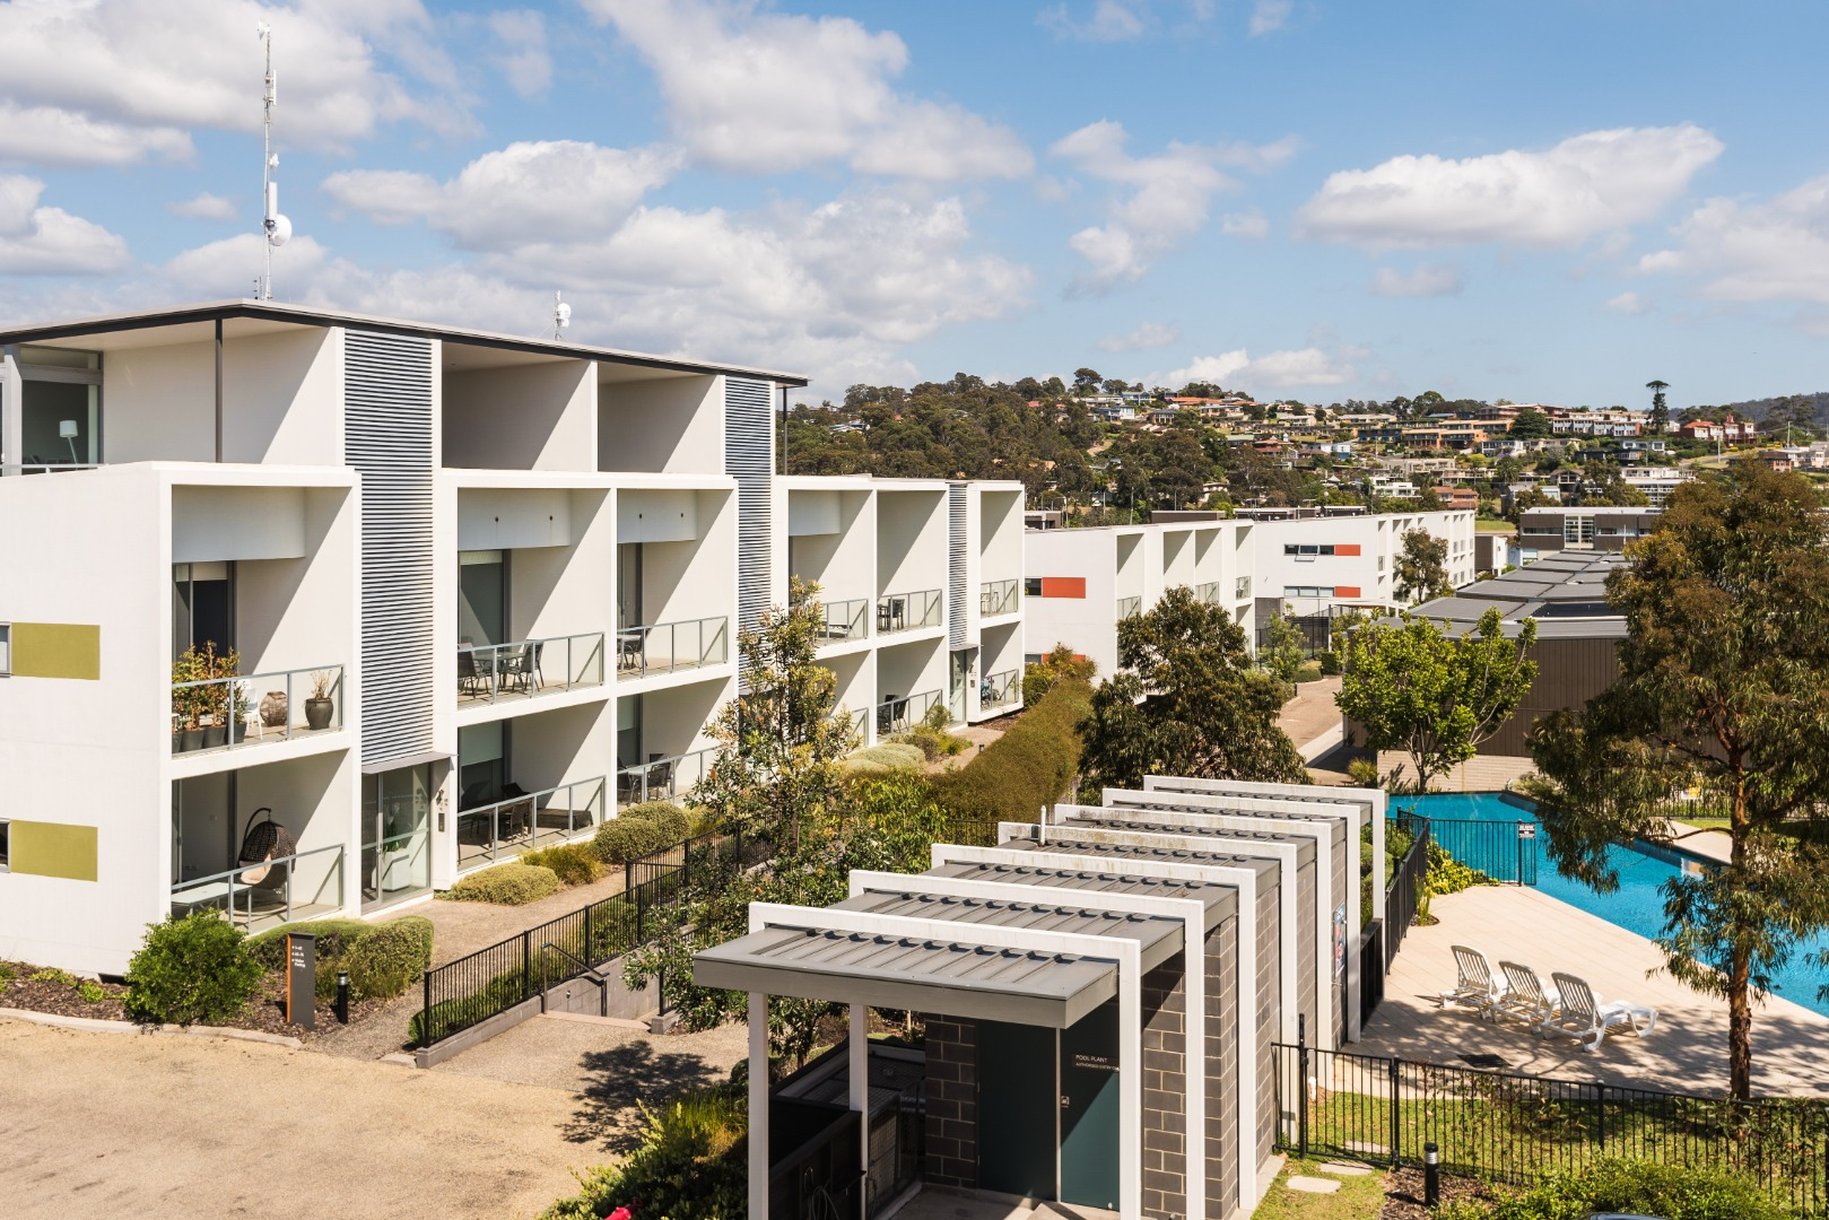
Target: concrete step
[1313,1186]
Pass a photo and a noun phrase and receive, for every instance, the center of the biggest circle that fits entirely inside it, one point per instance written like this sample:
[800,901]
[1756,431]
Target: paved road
[116,1125]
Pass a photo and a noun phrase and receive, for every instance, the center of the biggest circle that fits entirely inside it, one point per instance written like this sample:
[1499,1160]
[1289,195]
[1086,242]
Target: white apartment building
[1080,583]
[514,570]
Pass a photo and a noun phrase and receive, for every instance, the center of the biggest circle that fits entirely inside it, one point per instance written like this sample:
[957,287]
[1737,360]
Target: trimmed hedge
[1677,1192]
[1030,766]
[509,885]
[383,959]
[641,830]
[575,863]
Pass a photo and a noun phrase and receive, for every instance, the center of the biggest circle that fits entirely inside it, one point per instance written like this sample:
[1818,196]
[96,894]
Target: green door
[1016,1109]
[1089,1109]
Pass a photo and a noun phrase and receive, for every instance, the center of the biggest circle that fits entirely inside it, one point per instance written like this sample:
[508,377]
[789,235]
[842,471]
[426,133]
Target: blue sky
[1553,201]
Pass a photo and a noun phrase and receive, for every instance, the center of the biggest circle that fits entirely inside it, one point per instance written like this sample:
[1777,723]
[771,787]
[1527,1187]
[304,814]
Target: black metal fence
[1405,893]
[1505,851]
[471,989]
[1512,1128]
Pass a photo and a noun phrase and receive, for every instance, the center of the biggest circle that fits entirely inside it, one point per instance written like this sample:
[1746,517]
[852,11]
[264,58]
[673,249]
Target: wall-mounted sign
[1086,1062]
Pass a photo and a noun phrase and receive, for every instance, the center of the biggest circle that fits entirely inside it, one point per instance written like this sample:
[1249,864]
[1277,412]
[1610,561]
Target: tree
[1422,567]
[1187,701]
[1057,663]
[778,743]
[1723,686]
[1435,697]
[1660,410]
[1283,650]
[1086,381]
[1530,424]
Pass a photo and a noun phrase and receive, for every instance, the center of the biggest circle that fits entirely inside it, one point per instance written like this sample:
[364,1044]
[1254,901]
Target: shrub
[54,975]
[884,758]
[1030,766]
[574,863]
[690,1161]
[641,830]
[1447,875]
[387,959]
[1675,1192]
[334,938]
[91,991]
[1363,772]
[509,885]
[931,741]
[193,969]
[1060,662]
[1330,662]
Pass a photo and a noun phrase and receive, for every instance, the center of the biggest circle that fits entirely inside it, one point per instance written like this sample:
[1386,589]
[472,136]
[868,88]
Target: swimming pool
[1637,905]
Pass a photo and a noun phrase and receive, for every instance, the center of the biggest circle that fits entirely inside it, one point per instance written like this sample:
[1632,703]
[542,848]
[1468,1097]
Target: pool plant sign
[1723,685]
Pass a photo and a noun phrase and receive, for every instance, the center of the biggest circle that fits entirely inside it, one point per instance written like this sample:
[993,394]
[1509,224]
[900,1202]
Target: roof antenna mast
[562,317]
[276,229]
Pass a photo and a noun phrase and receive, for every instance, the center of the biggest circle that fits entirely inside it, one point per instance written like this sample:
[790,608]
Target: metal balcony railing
[533,819]
[252,709]
[1241,588]
[663,778]
[270,892]
[658,648]
[845,620]
[1128,606]
[1001,689]
[526,668]
[1207,592]
[908,611]
[999,597]
[898,714]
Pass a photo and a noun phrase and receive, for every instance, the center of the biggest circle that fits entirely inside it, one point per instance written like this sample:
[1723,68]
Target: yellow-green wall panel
[52,849]
[57,650]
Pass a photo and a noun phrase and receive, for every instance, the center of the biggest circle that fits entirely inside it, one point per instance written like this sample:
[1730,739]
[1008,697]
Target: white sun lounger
[1475,984]
[1525,995]
[1583,1017]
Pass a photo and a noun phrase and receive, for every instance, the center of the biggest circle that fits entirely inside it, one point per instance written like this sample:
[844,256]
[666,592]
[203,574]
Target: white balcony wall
[560,590]
[911,538]
[282,400]
[675,721]
[689,552]
[830,536]
[660,424]
[565,745]
[911,669]
[855,692]
[506,518]
[523,416]
[1178,550]
[1000,535]
[1132,576]
[1084,621]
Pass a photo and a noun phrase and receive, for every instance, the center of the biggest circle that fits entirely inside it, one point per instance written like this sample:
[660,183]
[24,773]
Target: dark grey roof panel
[1138,821]
[1061,839]
[1159,936]
[1221,899]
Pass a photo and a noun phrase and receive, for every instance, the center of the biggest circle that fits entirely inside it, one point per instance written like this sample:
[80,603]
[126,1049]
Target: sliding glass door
[396,838]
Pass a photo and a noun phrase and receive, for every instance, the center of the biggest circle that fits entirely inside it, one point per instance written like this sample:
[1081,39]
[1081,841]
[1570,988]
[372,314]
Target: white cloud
[1586,185]
[1108,21]
[227,268]
[37,240]
[49,135]
[1628,303]
[553,189]
[1424,281]
[183,64]
[1775,250]
[1268,16]
[1307,366]
[1249,225]
[523,58]
[764,92]
[203,206]
[1147,335]
[1167,200]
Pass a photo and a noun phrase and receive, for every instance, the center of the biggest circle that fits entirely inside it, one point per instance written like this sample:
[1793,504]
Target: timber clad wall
[952,1101]
[1165,1102]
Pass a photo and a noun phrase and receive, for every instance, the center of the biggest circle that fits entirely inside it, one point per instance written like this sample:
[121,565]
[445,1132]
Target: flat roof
[1061,839]
[304,315]
[1221,900]
[1137,821]
[1566,592]
[1159,936]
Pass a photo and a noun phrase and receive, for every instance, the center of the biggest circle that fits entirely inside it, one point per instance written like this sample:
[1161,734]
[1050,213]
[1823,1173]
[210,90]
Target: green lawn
[1493,525]
[1357,1198]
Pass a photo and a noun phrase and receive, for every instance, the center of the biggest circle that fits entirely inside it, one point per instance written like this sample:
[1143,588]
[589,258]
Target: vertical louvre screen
[388,440]
[958,570]
[749,458]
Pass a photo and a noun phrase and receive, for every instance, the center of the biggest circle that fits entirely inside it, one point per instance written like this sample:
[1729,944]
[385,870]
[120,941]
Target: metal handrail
[1127,606]
[46,467]
[660,778]
[1207,591]
[531,805]
[706,641]
[1004,686]
[998,597]
[1241,587]
[236,708]
[845,620]
[908,611]
[233,886]
[900,715]
[485,671]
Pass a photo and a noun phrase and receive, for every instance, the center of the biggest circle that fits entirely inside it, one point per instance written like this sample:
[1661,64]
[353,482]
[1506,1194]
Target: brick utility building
[1101,996]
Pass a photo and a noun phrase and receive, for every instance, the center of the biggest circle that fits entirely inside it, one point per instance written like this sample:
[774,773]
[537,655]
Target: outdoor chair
[521,667]
[1583,1017]
[1525,996]
[1475,984]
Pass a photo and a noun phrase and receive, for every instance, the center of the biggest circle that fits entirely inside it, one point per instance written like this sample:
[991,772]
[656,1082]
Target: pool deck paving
[1686,1053]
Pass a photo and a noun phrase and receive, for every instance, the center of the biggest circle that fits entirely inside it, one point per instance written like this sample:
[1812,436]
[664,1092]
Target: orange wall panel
[1346,590]
[1346,548]
[1064,586]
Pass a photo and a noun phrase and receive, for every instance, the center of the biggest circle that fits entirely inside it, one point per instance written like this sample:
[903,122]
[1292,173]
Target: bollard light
[1432,1175]
[343,997]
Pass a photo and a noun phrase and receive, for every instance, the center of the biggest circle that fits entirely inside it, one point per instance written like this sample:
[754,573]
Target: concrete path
[1687,1052]
[93,1125]
[1312,719]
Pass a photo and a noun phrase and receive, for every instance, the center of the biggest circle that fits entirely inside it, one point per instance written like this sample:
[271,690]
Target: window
[6,855]
[6,649]
[1032,586]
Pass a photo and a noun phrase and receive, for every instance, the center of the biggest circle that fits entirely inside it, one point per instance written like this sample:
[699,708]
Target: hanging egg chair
[264,842]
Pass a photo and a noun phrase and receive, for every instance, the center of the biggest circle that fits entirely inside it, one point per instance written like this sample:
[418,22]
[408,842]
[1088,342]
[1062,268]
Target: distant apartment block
[1542,530]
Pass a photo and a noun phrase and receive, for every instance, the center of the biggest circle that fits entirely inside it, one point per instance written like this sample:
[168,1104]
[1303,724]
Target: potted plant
[319,708]
[188,702]
[214,711]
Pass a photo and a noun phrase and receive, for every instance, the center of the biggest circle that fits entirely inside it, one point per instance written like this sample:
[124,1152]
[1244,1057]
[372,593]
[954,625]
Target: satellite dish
[279,231]
[562,316]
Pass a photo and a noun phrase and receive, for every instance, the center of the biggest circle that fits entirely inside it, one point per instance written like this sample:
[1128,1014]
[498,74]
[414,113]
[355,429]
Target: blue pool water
[1637,905]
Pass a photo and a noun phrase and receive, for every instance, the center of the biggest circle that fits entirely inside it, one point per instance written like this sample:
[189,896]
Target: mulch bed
[1403,1198]
[39,990]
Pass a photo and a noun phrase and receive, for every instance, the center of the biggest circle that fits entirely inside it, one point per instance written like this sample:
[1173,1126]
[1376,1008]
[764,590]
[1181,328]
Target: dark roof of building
[1565,592]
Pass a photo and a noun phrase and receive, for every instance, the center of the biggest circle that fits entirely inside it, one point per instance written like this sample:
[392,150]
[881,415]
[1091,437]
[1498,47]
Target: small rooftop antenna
[275,227]
[562,317]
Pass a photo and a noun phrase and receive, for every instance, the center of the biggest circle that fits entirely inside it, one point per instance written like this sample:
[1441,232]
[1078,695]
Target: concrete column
[758,1103]
[859,1067]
